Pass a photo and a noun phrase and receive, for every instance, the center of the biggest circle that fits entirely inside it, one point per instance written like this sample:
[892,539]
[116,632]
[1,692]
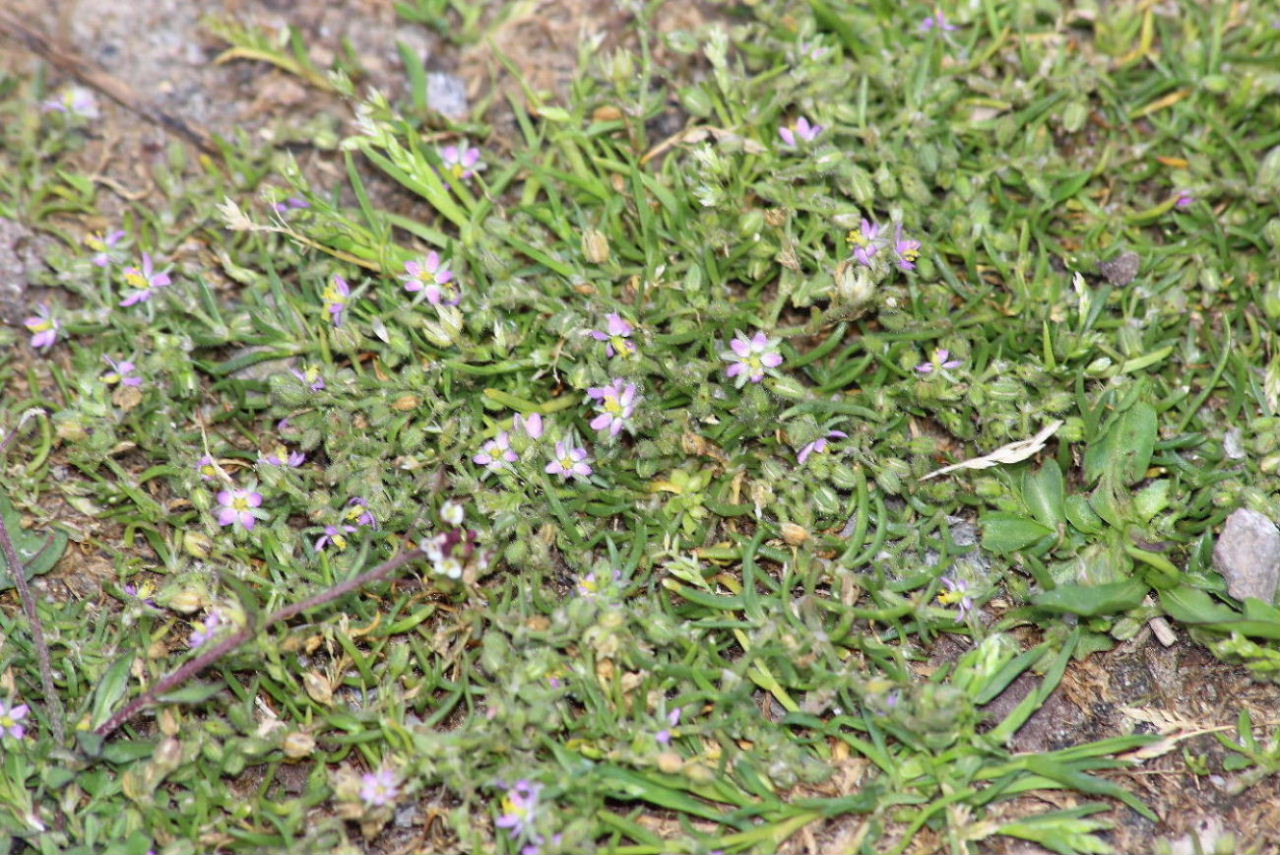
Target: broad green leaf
[1193,606]
[110,689]
[1042,491]
[1133,444]
[1092,600]
[1081,515]
[1004,532]
[1152,499]
[37,551]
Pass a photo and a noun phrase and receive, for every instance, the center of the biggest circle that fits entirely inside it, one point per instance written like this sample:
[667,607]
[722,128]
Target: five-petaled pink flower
[617,402]
[144,282]
[460,161]
[1184,199]
[941,359]
[336,297]
[122,373]
[751,357]
[866,242]
[432,278]
[957,593]
[335,534]
[570,462]
[240,506]
[43,327]
[819,445]
[906,250]
[379,788]
[496,454]
[103,246]
[520,808]
[10,716]
[616,335]
[800,130]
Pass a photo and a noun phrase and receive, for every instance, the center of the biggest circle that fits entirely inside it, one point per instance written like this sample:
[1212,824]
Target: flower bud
[298,745]
[595,246]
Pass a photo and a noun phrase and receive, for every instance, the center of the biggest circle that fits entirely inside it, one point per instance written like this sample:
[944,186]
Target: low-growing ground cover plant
[623,490]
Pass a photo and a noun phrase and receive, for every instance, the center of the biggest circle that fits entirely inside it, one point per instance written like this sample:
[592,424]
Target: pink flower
[520,808]
[906,250]
[616,335]
[957,593]
[938,20]
[122,373]
[866,242]
[379,788]
[207,469]
[240,506]
[359,513]
[432,278]
[751,357]
[144,282]
[460,162]
[337,535]
[664,736]
[800,130]
[496,454]
[819,445]
[530,426]
[43,327]
[335,297]
[310,378]
[279,456]
[103,246]
[1184,199]
[203,630]
[75,101]
[570,462]
[10,716]
[617,402]
[293,203]
[941,359]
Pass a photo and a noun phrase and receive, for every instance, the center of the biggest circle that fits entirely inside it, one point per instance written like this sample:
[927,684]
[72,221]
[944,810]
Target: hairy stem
[53,703]
[238,638]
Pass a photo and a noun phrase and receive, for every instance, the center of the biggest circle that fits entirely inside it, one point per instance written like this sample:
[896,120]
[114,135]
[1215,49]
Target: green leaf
[193,693]
[1042,491]
[110,689]
[1004,532]
[1193,606]
[1065,831]
[1081,515]
[1152,499]
[38,552]
[1125,450]
[1092,600]
[1134,443]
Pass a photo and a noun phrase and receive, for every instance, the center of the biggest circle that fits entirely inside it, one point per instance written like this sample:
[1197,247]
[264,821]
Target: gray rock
[1247,555]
